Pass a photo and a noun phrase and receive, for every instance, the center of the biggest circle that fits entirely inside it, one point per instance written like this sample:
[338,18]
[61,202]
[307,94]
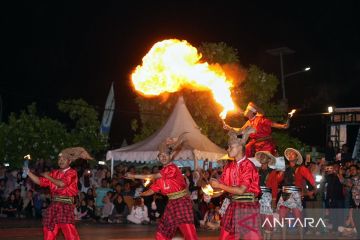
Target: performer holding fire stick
[170,181]
[293,187]
[268,190]
[63,188]
[261,140]
[240,179]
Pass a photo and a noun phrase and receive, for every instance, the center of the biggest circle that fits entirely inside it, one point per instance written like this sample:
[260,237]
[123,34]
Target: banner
[108,112]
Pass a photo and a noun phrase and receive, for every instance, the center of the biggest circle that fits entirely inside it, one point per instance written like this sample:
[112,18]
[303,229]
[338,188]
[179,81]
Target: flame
[28,157]
[208,190]
[147,182]
[171,65]
[292,113]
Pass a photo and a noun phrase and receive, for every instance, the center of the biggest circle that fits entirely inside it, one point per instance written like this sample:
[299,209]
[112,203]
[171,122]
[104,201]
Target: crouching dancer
[240,179]
[63,188]
[170,181]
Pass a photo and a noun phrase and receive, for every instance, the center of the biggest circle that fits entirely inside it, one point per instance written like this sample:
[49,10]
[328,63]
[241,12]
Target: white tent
[196,147]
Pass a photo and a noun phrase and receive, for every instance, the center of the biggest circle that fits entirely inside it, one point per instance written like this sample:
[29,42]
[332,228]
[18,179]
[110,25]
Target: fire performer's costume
[240,179]
[63,188]
[170,181]
[292,183]
[261,139]
[265,173]
[179,210]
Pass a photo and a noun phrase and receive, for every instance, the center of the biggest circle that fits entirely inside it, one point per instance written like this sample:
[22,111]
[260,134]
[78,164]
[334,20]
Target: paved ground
[31,230]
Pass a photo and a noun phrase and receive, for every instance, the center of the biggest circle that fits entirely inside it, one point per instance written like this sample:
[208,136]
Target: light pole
[280,52]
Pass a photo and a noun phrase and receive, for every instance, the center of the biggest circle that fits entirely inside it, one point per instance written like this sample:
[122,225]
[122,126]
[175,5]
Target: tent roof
[196,146]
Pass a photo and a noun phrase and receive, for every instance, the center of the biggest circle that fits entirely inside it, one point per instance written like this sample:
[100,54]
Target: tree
[251,84]
[86,132]
[44,138]
[27,133]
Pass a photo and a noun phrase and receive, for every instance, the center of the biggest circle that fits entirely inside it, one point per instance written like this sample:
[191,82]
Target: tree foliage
[43,137]
[86,132]
[251,84]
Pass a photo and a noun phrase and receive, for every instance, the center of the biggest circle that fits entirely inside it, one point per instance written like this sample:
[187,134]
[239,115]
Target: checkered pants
[241,218]
[177,211]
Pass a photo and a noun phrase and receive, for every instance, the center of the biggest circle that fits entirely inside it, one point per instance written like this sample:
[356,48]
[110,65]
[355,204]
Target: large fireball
[171,65]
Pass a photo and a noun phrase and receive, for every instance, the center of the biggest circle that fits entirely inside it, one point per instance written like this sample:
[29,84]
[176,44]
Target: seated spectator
[38,203]
[91,210]
[127,191]
[120,211]
[100,193]
[11,207]
[139,213]
[117,192]
[157,207]
[28,206]
[212,218]
[87,180]
[107,209]
[83,210]
[89,194]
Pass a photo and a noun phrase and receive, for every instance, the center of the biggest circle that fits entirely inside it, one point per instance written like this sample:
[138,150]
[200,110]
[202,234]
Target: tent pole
[195,164]
[112,167]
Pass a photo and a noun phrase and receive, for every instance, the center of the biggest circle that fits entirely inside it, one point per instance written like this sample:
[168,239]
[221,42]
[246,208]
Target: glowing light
[28,157]
[292,113]
[318,178]
[330,109]
[147,182]
[171,65]
[208,190]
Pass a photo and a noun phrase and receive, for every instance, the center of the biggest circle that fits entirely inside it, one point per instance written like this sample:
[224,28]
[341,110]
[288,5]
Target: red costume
[295,176]
[241,217]
[261,140]
[179,210]
[60,213]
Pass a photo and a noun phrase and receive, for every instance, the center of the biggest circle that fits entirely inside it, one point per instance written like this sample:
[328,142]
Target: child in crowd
[107,209]
[139,212]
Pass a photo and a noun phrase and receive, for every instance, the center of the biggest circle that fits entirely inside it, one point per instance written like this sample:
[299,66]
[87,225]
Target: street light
[330,109]
[294,73]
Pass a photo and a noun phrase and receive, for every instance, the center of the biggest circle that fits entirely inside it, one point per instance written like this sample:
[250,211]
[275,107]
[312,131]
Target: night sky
[75,50]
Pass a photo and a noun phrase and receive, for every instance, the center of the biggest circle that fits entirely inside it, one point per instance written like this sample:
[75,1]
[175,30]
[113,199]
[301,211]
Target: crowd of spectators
[115,199]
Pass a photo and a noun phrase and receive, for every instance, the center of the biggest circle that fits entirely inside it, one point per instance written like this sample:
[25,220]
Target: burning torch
[290,115]
[147,181]
[26,165]
[208,190]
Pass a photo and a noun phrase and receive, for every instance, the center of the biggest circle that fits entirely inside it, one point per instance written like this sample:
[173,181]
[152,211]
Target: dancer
[266,175]
[170,181]
[293,188]
[261,140]
[63,188]
[240,179]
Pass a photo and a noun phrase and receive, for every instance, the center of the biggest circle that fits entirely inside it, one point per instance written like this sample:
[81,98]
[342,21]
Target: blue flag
[108,112]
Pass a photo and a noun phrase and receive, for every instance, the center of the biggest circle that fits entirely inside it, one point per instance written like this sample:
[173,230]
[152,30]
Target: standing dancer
[261,140]
[266,175]
[170,181]
[240,179]
[293,188]
[63,188]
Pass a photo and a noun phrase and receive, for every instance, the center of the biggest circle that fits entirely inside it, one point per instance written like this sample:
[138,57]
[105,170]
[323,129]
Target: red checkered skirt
[240,218]
[58,212]
[177,211]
